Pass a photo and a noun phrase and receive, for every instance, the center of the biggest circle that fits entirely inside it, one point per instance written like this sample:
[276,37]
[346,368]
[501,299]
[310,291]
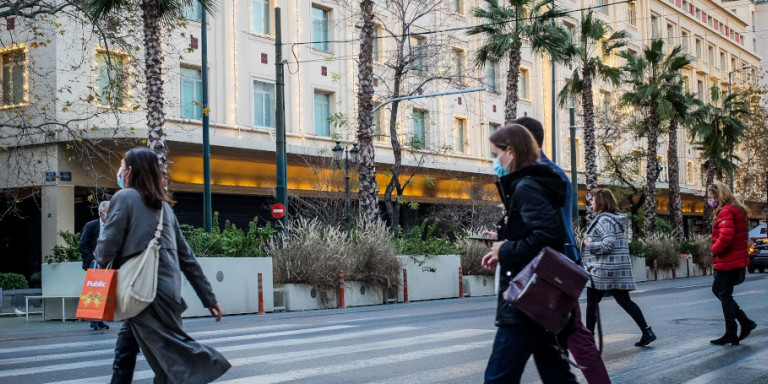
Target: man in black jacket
[87,246]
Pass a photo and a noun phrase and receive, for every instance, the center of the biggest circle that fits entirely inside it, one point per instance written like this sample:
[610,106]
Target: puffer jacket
[730,243]
[532,195]
[607,256]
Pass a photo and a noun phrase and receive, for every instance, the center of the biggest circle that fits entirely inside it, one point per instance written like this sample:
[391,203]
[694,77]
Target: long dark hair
[145,177]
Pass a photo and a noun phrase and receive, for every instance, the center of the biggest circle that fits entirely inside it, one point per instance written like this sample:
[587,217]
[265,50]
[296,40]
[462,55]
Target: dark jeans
[622,298]
[126,350]
[512,347]
[722,287]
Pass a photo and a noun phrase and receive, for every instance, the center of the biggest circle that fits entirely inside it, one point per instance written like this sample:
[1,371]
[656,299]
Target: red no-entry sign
[278,211]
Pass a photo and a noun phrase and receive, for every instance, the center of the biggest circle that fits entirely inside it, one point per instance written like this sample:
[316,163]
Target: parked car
[758,256]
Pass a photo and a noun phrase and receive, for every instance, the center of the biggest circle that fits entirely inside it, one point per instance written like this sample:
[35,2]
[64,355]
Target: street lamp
[730,86]
[338,153]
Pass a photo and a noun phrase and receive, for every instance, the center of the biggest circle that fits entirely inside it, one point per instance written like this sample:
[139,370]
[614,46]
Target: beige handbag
[137,279]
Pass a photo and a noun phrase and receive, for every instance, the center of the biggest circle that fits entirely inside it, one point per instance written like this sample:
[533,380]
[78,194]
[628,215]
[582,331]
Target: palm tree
[716,133]
[504,28]
[684,115]
[654,77]
[368,192]
[155,13]
[590,49]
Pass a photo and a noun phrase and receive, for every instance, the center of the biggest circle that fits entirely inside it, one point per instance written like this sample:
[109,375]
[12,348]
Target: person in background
[581,343]
[730,254]
[87,246]
[135,212]
[606,258]
[532,193]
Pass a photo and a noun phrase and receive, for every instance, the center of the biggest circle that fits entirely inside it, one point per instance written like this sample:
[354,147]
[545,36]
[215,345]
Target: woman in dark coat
[532,194]
[133,217]
[730,254]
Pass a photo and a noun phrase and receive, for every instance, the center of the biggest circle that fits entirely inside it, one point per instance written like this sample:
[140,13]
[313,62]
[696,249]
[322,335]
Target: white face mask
[120,180]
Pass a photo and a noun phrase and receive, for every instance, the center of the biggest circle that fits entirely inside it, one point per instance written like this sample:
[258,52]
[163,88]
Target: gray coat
[129,228]
[607,256]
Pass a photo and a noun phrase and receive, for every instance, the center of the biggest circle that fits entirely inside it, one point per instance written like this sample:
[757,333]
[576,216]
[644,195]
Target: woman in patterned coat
[606,258]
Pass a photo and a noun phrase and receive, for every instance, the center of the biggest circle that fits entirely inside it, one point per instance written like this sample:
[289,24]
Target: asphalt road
[446,341]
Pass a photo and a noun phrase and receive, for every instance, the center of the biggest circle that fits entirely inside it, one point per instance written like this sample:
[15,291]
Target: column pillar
[57,210]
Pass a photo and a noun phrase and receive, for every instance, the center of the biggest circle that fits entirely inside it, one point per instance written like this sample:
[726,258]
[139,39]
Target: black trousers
[126,350]
[514,345]
[722,287]
[622,298]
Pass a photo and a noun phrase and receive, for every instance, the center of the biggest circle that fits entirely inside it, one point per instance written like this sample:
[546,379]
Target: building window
[698,49]
[111,79]
[670,34]
[723,62]
[417,52]
[377,44]
[684,41]
[632,13]
[602,6]
[191,93]
[491,71]
[457,6]
[320,29]
[698,14]
[700,90]
[690,173]
[260,16]
[492,128]
[457,62]
[711,55]
[14,84]
[605,105]
[460,133]
[654,27]
[686,83]
[709,20]
[733,63]
[322,114]
[522,84]
[192,11]
[419,140]
[378,125]
[579,157]
[263,104]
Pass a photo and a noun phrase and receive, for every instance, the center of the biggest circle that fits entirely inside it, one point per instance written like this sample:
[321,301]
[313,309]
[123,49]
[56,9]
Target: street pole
[207,204]
[730,154]
[281,189]
[574,170]
[347,204]
[554,111]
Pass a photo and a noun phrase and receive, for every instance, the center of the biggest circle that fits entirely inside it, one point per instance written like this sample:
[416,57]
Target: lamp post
[730,86]
[338,152]
[574,169]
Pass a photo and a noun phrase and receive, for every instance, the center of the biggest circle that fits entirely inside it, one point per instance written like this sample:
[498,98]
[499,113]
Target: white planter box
[479,285]
[431,277]
[638,268]
[235,281]
[357,294]
[302,297]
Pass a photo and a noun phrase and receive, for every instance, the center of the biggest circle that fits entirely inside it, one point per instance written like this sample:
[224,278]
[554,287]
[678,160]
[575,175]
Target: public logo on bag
[96,284]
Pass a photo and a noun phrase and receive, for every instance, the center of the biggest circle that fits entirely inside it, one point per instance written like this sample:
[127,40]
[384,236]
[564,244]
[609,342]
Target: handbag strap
[159,229]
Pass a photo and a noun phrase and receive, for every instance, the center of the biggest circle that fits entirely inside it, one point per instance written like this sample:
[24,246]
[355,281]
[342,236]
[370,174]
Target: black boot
[730,336]
[648,337]
[747,325]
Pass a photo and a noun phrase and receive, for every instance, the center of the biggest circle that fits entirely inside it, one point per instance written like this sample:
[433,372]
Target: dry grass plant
[370,257]
[472,252]
[702,255]
[664,248]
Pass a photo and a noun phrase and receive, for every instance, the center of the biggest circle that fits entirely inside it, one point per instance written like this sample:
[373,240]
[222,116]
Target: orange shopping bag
[97,301]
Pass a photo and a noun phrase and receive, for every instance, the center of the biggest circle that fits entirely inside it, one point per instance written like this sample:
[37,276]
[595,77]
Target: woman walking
[532,194]
[606,258]
[730,253]
[133,217]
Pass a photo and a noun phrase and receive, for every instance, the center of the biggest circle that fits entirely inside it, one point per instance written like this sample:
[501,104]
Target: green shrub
[638,248]
[231,242]
[663,248]
[702,250]
[687,246]
[13,281]
[662,226]
[422,241]
[69,251]
[472,252]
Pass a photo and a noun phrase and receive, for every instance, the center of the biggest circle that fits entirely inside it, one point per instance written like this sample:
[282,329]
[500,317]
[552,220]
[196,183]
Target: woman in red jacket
[730,253]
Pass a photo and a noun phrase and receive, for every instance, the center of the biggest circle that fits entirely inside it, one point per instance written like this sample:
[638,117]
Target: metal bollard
[341,289]
[261,296]
[405,285]
[655,270]
[461,283]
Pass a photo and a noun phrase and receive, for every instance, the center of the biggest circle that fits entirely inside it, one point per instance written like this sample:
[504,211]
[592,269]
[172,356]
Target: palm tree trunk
[153,62]
[590,149]
[368,192]
[513,77]
[708,211]
[675,204]
[651,170]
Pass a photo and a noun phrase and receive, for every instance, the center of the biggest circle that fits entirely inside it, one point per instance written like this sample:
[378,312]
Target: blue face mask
[120,180]
[499,169]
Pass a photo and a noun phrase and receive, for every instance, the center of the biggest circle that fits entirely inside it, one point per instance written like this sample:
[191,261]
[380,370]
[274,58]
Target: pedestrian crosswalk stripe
[111,341]
[298,374]
[93,363]
[472,369]
[296,356]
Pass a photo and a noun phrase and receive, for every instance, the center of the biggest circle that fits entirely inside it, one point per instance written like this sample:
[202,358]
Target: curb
[15,315]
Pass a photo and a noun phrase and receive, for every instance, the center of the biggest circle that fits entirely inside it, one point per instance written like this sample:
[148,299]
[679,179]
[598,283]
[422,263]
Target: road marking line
[93,363]
[369,318]
[359,364]
[111,341]
[441,374]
